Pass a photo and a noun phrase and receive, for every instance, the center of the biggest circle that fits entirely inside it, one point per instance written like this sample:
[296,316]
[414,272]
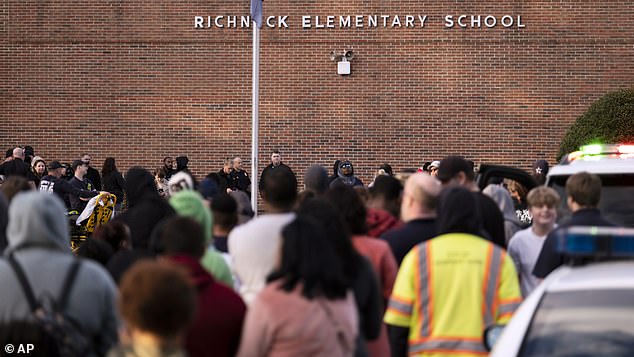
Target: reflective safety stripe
[447,345]
[508,308]
[494,267]
[400,307]
[425,293]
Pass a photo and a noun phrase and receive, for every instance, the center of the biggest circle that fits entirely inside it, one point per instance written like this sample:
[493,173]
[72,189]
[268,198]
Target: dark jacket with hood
[145,207]
[40,242]
[457,212]
[350,179]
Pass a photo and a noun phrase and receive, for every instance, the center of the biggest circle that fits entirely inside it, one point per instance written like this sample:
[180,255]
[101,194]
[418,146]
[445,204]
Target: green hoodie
[190,204]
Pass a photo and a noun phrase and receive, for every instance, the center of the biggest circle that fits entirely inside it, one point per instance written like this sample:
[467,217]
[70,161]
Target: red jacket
[217,327]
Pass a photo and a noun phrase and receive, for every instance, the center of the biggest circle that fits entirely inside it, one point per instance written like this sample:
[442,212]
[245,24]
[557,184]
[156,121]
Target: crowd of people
[414,264]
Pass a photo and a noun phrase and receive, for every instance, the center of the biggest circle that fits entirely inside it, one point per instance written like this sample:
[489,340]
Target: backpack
[68,336]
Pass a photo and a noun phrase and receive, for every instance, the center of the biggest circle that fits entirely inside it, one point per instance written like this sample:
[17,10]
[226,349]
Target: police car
[614,164]
[585,309]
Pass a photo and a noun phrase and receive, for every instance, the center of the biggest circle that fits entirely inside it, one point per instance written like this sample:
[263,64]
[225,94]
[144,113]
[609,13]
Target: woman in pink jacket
[307,308]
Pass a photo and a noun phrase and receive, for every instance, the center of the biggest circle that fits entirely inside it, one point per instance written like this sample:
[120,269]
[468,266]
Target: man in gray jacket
[40,243]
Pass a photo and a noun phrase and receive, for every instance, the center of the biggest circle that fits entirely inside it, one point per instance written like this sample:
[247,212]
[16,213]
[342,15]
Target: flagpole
[255,108]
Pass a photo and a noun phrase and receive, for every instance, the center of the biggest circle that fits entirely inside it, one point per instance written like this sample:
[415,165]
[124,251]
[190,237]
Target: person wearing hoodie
[345,175]
[145,207]
[39,241]
[218,321]
[335,168]
[188,203]
[384,205]
[504,201]
[467,282]
[456,171]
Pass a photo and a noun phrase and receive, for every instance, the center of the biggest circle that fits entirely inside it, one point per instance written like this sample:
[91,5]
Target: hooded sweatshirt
[190,204]
[380,221]
[458,213]
[145,207]
[39,240]
[347,179]
[503,199]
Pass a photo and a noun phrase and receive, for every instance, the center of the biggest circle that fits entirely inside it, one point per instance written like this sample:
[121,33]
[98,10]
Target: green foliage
[608,120]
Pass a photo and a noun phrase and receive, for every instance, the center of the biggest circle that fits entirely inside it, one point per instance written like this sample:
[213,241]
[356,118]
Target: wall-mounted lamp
[343,61]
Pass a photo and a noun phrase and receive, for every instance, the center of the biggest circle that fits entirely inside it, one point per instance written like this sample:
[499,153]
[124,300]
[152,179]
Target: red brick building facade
[137,80]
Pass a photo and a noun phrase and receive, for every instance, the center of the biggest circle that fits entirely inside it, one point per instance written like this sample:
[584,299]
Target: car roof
[487,171]
[594,276]
[595,165]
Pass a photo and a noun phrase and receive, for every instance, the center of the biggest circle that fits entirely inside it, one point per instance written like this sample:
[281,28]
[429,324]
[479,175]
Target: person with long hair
[307,307]
[38,166]
[348,203]
[360,274]
[113,182]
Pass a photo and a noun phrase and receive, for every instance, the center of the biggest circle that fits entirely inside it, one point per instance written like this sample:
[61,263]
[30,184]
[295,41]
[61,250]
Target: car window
[617,198]
[582,324]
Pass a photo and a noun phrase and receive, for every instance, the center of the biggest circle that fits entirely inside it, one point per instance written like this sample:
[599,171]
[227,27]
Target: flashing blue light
[596,242]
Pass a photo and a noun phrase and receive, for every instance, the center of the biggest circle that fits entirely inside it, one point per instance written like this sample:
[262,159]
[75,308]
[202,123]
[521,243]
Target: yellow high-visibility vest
[448,290]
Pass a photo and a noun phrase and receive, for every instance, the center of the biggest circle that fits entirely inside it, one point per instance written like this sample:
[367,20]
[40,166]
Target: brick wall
[135,80]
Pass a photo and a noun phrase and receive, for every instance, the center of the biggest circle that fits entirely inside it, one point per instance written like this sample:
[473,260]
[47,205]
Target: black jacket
[94,177]
[86,185]
[240,180]
[115,184]
[269,168]
[401,240]
[367,295]
[492,220]
[549,259]
[224,181]
[63,188]
[145,207]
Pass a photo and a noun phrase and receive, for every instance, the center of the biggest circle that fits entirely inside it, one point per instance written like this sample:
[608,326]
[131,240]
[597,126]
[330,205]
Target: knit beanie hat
[190,204]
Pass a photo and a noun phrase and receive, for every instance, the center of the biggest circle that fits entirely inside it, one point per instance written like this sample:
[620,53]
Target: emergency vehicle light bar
[597,242]
[593,150]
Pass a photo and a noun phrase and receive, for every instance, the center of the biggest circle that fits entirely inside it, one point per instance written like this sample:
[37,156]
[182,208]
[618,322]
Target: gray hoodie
[38,237]
[503,199]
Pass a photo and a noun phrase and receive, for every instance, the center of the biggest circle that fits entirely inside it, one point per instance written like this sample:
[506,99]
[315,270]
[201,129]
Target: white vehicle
[614,164]
[578,310]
